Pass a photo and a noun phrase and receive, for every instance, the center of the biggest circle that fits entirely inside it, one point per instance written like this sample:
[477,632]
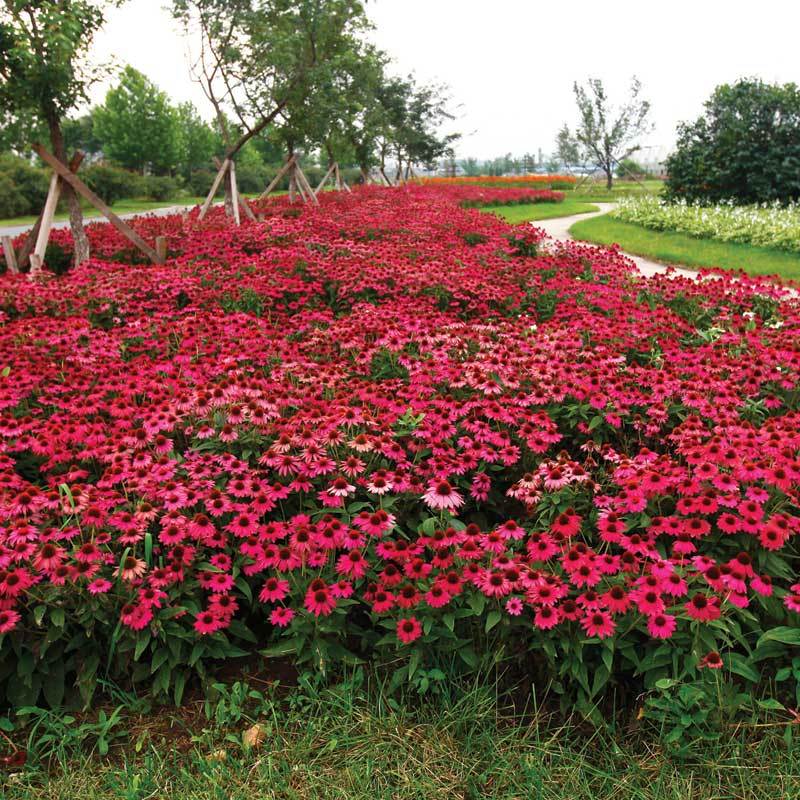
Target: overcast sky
[510,64]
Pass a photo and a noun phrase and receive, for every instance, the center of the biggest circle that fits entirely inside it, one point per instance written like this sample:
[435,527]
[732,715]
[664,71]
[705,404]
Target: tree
[603,140]
[43,73]
[745,147]
[137,125]
[198,142]
[80,134]
[258,57]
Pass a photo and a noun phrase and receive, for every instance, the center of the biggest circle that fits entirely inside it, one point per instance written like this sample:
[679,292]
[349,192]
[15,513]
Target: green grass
[677,248]
[349,743]
[594,191]
[123,207]
[527,212]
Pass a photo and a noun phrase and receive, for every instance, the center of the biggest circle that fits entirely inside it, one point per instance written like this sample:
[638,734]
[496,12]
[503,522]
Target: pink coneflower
[99,586]
[514,606]
[352,563]
[207,622]
[437,596]
[546,617]
[712,660]
[598,623]
[379,483]
[273,590]
[320,602]
[341,488]
[281,617]
[131,568]
[49,557]
[441,495]
[661,626]
[762,584]
[136,617]
[649,602]
[8,620]
[494,583]
[408,630]
[703,608]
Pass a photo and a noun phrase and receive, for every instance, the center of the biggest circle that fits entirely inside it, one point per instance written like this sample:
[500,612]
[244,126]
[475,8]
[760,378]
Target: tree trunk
[79,237]
[609,177]
[228,193]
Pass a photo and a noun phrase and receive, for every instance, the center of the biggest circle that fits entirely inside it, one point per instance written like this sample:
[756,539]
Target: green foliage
[745,147]
[23,187]
[678,248]
[159,187]
[762,225]
[42,50]
[137,125]
[604,136]
[111,183]
[197,141]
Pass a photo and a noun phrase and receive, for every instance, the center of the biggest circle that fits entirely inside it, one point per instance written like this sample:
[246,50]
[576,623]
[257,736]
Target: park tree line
[280,77]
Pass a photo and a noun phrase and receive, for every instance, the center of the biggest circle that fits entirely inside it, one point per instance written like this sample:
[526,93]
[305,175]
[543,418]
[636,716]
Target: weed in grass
[352,741]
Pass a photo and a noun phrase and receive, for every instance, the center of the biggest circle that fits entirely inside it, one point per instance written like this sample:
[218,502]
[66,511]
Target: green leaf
[782,634]
[413,663]
[468,656]
[284,647]
[477,602]
[492,618]
[739,665]
[141,644]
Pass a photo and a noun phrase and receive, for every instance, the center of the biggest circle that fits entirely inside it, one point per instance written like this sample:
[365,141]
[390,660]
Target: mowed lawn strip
[527,212]
[690,251]
[338,746]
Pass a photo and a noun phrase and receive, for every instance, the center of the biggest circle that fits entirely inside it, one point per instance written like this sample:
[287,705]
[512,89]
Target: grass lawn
[351,744]
[124,207]
[677,248]
[532,211]
[596,192]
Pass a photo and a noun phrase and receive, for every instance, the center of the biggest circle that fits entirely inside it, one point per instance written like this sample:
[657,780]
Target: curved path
[558,229]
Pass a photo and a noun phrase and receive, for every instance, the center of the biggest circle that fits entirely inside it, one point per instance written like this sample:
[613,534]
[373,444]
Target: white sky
[510,64]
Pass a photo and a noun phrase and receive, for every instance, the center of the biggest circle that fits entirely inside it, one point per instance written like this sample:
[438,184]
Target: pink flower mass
[381,407]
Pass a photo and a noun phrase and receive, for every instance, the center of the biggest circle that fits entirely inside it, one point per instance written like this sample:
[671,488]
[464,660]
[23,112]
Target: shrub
[24,187]
[763,226]
[159,187]
[111,183]
[745,147]
[199,183]
[12,202]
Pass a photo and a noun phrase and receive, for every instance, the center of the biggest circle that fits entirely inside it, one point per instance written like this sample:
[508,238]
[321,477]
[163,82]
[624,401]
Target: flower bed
[499,180]
[385,428]
[765,226]
[477,196]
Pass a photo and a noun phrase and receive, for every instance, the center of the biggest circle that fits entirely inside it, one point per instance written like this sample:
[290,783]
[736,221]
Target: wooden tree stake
[27,246]
[10,255]
[331,168]
[281,172]
[53,193]
[214,186]
[301,176]
[234,194]
[161,247]
[82,189]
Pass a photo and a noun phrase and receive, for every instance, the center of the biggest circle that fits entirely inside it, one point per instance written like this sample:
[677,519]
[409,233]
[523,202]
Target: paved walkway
[558,229]
[15,230]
